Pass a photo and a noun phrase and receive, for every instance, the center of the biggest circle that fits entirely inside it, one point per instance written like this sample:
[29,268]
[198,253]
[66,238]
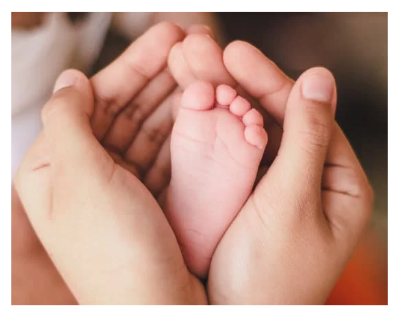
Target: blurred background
[352,45]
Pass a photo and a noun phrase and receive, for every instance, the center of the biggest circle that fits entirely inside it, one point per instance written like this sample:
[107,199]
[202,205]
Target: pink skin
[216,147]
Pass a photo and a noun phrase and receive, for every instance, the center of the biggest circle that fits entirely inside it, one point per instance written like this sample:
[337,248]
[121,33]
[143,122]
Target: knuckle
[154,135]
[108,104]
[138,114]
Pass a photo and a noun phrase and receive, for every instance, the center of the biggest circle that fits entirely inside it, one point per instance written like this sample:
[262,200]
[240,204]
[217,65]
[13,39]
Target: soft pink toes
[256,135]
[199,96]
[239,106]
[253,117]
[225,95]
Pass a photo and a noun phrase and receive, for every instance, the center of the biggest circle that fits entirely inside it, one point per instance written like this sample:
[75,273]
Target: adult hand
[299,227]
[102,228]
[133,110]
[131,107]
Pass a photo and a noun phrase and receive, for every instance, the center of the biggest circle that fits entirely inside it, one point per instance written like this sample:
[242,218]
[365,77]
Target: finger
[205,58]
[179,67]
[67,130]
[152,134]
[265,82]
[64,147]
[340,180]
[125,126]
[200,29]
[158,177]
[116,85]
[101,265]
[199,66]
[349,180]
[307,130]
[259,76]
[344,178]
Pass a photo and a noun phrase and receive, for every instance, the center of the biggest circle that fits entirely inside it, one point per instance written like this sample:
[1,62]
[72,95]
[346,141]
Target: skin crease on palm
[237,276]
[99,223]
[149,91]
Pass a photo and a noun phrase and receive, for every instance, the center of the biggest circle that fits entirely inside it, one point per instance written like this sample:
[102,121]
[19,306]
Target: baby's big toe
[198,96]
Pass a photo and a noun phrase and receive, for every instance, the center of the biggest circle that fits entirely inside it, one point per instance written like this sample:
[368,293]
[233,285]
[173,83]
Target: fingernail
[68,78]
[319,86]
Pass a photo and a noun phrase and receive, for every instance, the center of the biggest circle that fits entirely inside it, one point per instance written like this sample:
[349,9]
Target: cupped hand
[133,105]
[102,228]
[299,227]
[132,97]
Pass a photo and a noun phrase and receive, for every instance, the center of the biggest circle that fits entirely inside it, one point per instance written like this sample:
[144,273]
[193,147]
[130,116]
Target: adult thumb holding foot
[305,216]
[101,227]
[307,130]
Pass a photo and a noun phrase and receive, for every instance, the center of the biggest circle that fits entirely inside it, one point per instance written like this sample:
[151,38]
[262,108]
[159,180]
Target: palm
[131,120]
[137,135]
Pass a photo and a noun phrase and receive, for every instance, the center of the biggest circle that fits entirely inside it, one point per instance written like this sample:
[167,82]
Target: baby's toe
[256,136]
[240,106]
[253,117]
[198,96]
[225,95]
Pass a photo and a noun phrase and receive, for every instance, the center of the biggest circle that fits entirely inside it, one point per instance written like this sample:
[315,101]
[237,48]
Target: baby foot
[216,148]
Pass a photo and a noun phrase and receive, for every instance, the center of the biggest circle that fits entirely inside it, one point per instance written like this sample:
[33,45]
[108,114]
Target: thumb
[65,135]
[308,127]
[67,129]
